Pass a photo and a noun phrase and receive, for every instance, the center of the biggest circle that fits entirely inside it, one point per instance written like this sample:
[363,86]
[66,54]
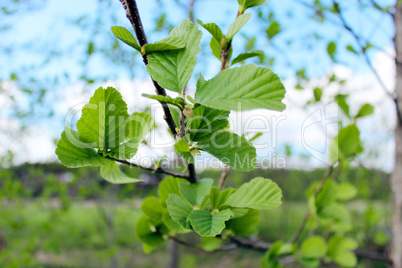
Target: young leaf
[138,127]
[249,3]
[231,149]
[74,153]
[179,209]
[331,49]
[170,43]
[174,227]
[237,25]
[346,144]
[244,88]
[153,210]
[124,35]
[317,94]
[340,250]
[207,224]
[273,29]
[346,191]
[213,29]
[112,173]
[172,70]
[216,48]
[169,185]
[259,193]
[206,121]
[244,56]
[314,247]
[146,233]
[179,102]
[365,110]
[104,119]
[341,101]
[183,149]
[194,193]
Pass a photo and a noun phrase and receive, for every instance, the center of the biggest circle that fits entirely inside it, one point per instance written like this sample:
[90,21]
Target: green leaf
[365,110]
[206,121]
[183,149]
[231,149]
[259,193]
[216,48]
[244,56]
[340,250]
[256,136]
[148,234]
[346,144]
[331,49]
[194,193]
[245,225]
[124,35]
[341,101]
[213,29]
[138,127]
[314,247]
[351,49]
[346,191]
[273,29]
[172,70]
[235,27]
[243,88]
[210,243]
[270,259]
[327,195]
[153,210]
[74,153]
[174,227]
[179,102]
[179,209]
[207,224]
[317,94]
[170,43]
[169,185]
[104,119]
[112,173]
[223,196]
[249,3]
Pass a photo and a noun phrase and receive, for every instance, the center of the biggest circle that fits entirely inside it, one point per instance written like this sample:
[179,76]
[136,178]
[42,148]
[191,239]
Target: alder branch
[225,173]
[153,169]
[300,229]
[363,50]
[225,51]
[133,15]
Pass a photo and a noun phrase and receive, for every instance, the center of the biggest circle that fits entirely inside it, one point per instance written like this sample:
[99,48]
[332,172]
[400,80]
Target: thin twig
[225,173]
[307,215]
[133,15]
[226,51]
[154,169]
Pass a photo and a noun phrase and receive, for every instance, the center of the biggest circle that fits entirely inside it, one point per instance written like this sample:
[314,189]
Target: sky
[51,28]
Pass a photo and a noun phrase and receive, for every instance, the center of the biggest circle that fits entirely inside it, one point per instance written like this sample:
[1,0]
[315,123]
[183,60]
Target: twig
[225,51]
[307,215]
[133,15]
[225,173]
[155,169]
[367,58]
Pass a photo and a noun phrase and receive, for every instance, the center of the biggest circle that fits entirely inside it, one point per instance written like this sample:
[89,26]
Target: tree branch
[363,50]
[153,169]
[133,15]
[307,215]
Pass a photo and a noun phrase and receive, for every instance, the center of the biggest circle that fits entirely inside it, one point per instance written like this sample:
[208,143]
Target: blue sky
[51,28]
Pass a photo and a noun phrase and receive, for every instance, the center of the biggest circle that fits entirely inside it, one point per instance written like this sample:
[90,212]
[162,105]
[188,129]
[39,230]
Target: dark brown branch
[153,169]
[133,15]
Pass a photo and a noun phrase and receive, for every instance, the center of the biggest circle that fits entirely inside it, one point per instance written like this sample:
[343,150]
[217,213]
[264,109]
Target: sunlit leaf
[124,35]
[207,224]
[112,173]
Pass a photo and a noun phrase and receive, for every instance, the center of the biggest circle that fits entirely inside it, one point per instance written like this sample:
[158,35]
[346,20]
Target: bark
[396,178]
[174,256]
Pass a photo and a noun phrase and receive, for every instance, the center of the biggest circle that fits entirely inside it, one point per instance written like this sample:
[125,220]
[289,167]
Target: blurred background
[54,54]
